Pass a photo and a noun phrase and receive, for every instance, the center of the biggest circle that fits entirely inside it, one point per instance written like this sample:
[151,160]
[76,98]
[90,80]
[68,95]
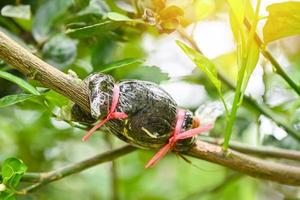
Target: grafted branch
[35,68]
[74,89]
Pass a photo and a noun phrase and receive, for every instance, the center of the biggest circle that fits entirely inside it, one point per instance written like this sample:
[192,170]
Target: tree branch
[30,65]
[281,173]
[47,177]
[269,152]
[34,68]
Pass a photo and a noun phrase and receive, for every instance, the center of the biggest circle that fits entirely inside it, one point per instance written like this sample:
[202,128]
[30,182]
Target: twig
[44,178]
[113,171]
[20,58]
[271,152]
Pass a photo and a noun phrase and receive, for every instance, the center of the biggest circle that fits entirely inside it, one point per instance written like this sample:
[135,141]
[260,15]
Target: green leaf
[283,21]
[117,17]
[237,8]
[15,98]
[7,195]
[252,50]
[20,82]
[19,11]
[12,172]
[46,16]
[253,56]
[120,63]
[147,73]
[60,51]
[202,8]
[96,7]
[203,63]
[56,98]
[247,57]
[93,30]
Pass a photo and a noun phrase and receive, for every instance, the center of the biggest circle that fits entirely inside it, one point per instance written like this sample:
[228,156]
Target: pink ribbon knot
[177,135]
[111,114]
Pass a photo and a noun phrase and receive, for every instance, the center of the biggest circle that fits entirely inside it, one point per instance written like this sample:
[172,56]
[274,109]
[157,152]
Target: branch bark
[264,152]
[34,68]
[281,173]
[44,178]
[74,89]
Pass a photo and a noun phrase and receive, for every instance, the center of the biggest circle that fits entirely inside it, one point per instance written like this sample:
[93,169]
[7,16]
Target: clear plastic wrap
[151,111]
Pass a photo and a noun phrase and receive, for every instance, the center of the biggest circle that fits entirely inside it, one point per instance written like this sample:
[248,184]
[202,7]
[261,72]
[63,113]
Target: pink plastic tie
[177,135]
[111,114]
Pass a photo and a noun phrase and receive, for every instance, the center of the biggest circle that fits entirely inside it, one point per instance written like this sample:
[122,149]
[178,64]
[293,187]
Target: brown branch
[281,173]
[32,66]
[270,152]
[44,178]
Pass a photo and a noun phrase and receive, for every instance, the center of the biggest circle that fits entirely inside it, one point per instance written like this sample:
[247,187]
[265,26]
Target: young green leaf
[203,63]
[283,21]
[237,8]
[117,17]
[147,73]
[19,11]
[253,56]
[12,172]
[92,30]
[20,82]
[114,16]
[247,58]
[15,98]
[120,63]
[207,66]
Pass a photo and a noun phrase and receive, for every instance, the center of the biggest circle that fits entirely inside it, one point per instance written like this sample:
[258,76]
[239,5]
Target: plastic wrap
[151,111]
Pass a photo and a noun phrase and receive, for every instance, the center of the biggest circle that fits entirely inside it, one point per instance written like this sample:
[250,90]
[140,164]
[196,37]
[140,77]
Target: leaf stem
[235,105]
[240,88]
